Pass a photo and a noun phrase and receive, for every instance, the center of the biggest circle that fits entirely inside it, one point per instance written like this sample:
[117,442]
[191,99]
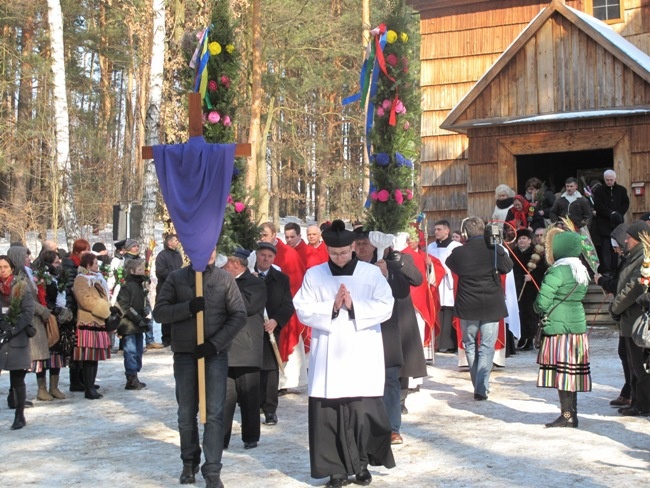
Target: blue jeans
[187,396]
[149,334]
[480,363]
[392,400]
[132,349]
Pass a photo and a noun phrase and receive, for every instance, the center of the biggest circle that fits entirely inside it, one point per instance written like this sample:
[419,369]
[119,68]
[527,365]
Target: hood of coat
[566,245]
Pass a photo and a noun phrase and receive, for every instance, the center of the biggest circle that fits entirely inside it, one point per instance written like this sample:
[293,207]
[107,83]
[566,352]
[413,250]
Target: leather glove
[115,311]
[196,305]
[644,300]
[394,256]
[5,335]
[143,324]
[204,350]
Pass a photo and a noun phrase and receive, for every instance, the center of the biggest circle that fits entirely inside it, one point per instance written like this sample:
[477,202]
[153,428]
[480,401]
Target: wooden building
[519,88]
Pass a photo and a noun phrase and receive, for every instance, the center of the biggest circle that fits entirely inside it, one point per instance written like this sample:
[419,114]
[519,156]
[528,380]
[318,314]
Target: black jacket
[607,201]
[480,295]
[246,349]
[579,211]
[132,296]
[224,315]
[279,306]
[168,260]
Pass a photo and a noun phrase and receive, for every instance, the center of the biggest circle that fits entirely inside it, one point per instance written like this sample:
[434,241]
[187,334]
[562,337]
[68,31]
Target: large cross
[196,129]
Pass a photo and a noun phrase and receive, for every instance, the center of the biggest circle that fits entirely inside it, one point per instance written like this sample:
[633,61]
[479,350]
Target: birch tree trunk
[152,123]
[61,123]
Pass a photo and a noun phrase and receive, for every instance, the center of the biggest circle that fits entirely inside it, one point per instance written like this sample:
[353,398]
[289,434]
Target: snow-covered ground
[129,438]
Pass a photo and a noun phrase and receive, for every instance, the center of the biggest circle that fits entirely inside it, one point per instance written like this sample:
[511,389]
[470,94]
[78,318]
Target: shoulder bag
[641,330]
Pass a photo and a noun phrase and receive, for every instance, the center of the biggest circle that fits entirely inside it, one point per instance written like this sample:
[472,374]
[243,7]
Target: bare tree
[153,118]
[61,122]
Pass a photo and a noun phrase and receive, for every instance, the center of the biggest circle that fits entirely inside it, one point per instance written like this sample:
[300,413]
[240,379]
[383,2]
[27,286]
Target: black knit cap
[337,235]
[524,232]
[98,247]
[637,228]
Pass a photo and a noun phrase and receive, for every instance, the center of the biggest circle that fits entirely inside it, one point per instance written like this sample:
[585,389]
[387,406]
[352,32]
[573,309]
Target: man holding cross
[225,316]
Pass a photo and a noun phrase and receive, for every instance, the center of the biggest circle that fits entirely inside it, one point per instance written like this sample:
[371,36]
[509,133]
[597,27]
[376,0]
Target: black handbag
[543,319]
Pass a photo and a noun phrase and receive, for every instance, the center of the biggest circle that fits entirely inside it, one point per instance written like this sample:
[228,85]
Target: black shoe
[336,482]
[364,478]
[270,419]
[92,394]
[567,419]
[250,445]
[213,481]
[480,397]
[621,401]
[19,421]
[188,474]
[633,411]
[132,383]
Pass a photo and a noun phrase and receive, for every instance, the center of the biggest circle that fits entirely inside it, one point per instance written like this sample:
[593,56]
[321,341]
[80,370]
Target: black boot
[568,417]
[19,417]
[89,374]
[76,376]
[188,474]
[132,383]
[11,400]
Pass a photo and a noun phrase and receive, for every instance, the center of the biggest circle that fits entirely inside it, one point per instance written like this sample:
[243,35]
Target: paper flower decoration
[407,125]
[404,37]
[214,48]
[212,85]
[230,48]
[386,104]
[230,200]
[381,159]
[239,207]
[226,121]
[409,194]
[400,108]
[380,111]
[400,160]
[391,59]
[399,198]
[225,81]
[214,117]
[391,36]
[383,195]
[373,196]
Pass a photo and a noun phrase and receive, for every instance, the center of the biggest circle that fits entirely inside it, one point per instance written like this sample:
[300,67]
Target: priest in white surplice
[344,301]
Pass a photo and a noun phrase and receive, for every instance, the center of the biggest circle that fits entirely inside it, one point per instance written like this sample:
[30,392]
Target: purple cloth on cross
[195,180]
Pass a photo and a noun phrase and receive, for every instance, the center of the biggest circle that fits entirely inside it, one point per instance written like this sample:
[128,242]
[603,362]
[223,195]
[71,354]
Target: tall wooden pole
[365,13]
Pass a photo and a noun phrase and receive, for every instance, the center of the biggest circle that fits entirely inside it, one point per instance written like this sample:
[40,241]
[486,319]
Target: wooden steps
[596,307]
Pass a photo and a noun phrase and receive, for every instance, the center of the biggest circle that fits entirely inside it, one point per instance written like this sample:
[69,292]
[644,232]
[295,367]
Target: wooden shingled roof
[565,64]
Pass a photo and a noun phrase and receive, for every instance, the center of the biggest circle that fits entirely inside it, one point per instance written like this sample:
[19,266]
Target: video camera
[493,234]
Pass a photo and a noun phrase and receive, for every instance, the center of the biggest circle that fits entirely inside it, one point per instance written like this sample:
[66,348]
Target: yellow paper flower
[391,36]
[214,48]
[404,37]
[230,48]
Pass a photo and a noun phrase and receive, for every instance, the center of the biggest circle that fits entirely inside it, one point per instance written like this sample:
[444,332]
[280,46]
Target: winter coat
[609,200]
[246,349]
[578,211]
[168,260]
[39,349]
[480,295]
[132,295]
[568,316]
[93,306]
[14,354]
[400,333]
[224,315]
[628,289]
[279,306]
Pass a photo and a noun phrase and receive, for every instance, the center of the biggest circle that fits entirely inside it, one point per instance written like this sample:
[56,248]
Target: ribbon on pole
[200,63]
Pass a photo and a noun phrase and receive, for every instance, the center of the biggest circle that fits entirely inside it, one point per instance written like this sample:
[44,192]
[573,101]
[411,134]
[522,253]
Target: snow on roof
[615,38]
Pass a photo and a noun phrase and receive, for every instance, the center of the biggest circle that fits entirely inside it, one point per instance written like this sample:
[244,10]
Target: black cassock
[348,434]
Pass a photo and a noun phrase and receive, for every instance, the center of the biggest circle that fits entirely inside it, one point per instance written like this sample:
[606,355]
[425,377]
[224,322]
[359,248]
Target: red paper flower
[380,112]
[383,195]
[212,85]
[399,198]
[214,117]
[409,195]
[391,59]
[230,200]
[225,81]
[373,196]
[239,207]
[226,121]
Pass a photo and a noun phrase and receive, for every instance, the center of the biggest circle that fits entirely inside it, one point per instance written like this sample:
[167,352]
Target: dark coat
[628,289]
[279,306]
[527,316]
[14,354]
[578,211]
[168,260]
[607,201]
[246,349]
[132,295]
[400,334]
[480,295]
[224,315]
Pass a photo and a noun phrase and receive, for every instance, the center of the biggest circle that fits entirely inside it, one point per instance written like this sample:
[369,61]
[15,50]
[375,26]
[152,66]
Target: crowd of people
[352,318]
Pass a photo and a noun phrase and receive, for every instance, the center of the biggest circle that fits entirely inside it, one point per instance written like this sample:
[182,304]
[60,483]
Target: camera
[493,234]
